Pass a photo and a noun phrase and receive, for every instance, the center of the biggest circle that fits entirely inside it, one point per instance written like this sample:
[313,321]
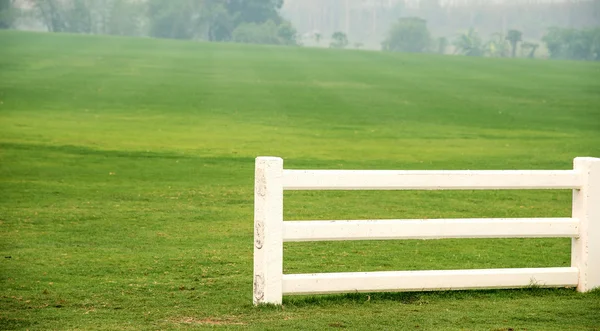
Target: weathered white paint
[268,226]
[270,230]
[429,180]
[430,229]
[585,251]
[428,280]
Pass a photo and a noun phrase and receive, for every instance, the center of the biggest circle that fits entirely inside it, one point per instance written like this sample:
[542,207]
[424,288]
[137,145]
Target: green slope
[126,171]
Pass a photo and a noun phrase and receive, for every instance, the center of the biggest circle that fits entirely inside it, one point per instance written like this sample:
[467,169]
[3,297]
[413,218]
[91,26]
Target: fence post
[585,250]
[268,231]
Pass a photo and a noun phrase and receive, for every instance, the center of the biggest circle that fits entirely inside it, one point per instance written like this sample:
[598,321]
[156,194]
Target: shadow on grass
[87,151]
[7,323]
[421,298]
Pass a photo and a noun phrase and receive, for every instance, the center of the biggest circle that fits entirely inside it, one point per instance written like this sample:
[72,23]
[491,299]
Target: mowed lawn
[126,180]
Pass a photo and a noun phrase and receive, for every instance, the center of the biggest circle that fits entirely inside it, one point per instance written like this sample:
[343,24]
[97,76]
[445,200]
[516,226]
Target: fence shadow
[422,298]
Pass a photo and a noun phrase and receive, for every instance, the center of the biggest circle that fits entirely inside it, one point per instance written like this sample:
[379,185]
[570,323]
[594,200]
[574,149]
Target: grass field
[126,180]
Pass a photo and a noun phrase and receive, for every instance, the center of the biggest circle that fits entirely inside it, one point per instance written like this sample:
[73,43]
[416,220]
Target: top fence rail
[430,180]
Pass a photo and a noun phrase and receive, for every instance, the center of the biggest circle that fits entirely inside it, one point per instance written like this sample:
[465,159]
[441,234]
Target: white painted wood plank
[428,280]
[585,250]
[430,229]
[268,227]
[429,180]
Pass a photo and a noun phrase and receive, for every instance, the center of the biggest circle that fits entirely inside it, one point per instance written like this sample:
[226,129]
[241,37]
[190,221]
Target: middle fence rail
[271,231]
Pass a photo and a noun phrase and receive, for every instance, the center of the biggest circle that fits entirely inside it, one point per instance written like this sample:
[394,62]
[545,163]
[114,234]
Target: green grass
[126,180]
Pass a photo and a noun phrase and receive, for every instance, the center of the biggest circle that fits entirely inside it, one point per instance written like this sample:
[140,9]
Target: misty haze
[566,29]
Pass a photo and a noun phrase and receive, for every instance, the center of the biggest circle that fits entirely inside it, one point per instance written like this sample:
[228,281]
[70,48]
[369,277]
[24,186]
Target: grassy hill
[126,179]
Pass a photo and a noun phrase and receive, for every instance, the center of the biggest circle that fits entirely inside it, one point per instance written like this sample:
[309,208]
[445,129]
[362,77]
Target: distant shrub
[565,43]
[409,34]
[469,44]
[339,40]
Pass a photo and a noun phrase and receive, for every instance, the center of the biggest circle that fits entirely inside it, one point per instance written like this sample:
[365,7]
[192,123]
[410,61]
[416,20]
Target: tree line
[411,34]
[260,21]
[252,21]
[369,21]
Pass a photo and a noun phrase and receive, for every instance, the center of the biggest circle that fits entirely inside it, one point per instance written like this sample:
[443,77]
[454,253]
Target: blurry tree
[338,40]
[254,11]
[585,44]
[514,37]
[126,18]
[175,19]
[556,40]
[287,33]
[564,43]
[213,20]
[409,34]
[76,16]
[52,13]
[358,45]
[8,14]
[469,44]
[497,46]
[318,37]
[529,48]
[595,40]
[442,45]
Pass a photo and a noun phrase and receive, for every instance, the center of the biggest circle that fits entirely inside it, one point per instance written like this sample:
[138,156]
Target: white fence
[270,231]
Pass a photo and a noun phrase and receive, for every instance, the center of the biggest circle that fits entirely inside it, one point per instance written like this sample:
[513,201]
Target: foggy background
[368,21]
[568,29]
